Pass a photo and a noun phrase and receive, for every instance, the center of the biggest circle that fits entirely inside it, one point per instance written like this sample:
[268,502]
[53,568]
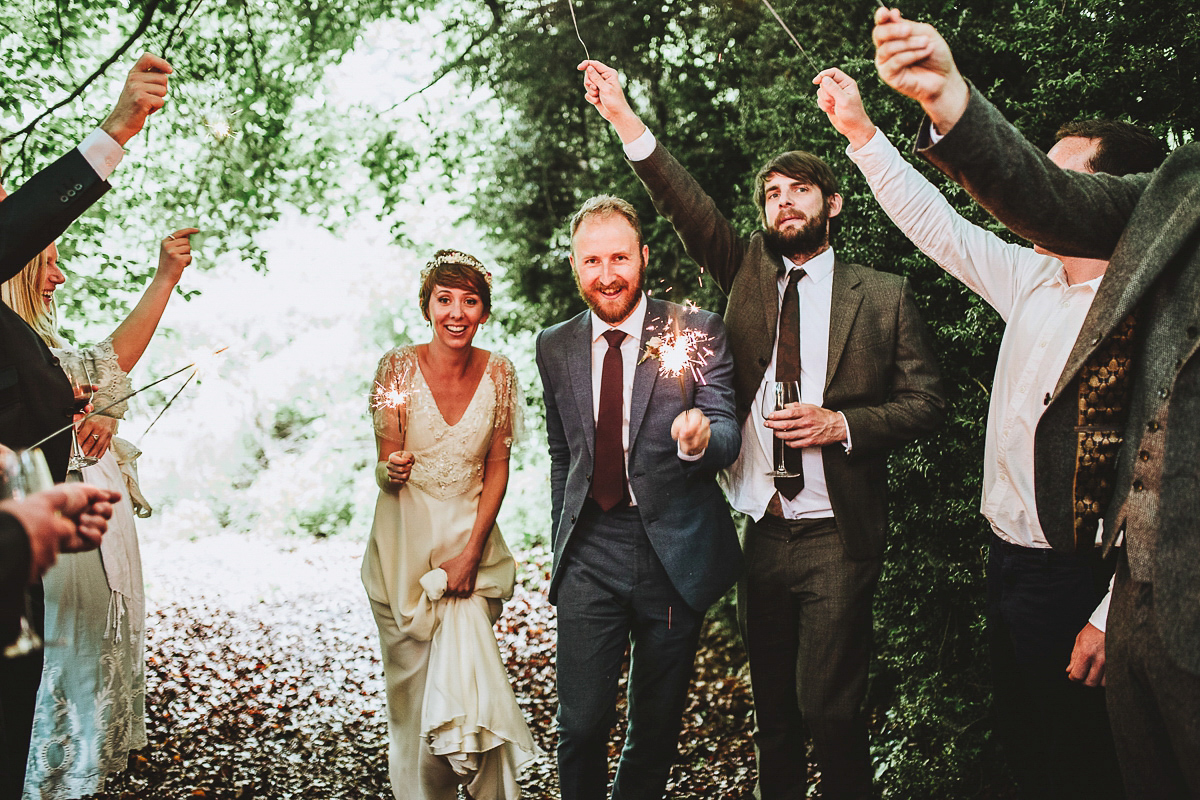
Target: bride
[436,569]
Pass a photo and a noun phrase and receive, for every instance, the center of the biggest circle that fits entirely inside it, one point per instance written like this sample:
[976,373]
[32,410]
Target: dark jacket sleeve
[1072,213]
[14,574]
[36,214]
[707,236]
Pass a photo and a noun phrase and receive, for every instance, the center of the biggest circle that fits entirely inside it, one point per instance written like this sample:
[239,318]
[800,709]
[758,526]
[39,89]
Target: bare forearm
[495,484]
[133,335]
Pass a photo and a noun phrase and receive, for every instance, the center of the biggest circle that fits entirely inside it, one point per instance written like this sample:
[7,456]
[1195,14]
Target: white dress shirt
[632,326]
[1042,312]
[102,152]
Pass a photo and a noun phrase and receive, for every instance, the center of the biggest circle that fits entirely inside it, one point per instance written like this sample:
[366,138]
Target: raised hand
[174,255]
[914,59]
[839,98]
[602,88]
[144,93]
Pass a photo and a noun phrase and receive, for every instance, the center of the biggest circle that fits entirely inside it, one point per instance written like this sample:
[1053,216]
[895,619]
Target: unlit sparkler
[201,363]
[135,392]
[571,6]
[788,31]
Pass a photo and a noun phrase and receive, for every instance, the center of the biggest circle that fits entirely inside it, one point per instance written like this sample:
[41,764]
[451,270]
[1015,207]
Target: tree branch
[497,19]
[143,25]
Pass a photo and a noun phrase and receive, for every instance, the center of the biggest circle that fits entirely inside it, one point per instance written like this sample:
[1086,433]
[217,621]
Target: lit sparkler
[219,126]
[391,398]
[680,351]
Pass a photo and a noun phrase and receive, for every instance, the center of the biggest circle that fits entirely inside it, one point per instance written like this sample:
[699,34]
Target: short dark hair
[798,165]
[1124,149]
[455,269]
[606,205]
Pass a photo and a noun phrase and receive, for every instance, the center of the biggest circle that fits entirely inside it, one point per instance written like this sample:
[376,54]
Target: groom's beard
[800,243]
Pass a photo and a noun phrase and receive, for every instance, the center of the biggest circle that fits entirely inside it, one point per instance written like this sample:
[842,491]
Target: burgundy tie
[608,473]
[787,368]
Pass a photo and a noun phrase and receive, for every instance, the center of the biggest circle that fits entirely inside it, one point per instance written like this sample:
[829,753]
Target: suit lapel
[846,298]
[1136,265]
[579,365]
[646,373]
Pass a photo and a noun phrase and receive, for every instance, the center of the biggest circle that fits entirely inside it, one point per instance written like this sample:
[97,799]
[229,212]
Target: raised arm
[706,235]
[1071,213]
[131,336]
[989,266]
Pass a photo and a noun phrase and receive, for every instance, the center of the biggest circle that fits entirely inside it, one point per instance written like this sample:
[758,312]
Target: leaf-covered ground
[265,681]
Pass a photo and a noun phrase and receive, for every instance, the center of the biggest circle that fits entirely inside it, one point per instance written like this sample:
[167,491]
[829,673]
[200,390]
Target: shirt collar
[818,267]
[632,326]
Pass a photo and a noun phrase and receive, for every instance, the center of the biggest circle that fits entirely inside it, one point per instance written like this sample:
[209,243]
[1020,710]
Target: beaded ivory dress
[90,708]
[462,726]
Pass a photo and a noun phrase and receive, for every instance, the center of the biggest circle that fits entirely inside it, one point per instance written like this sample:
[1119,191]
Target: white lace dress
[452,716]
[91,703]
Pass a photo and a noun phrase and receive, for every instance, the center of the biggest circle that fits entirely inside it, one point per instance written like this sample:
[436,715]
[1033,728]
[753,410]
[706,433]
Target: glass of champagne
[778,395]
[22,474]
[76,367]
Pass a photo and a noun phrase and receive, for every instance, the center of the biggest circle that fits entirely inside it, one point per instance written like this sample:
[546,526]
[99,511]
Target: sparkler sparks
[219,127]
[390,397]
[680,351]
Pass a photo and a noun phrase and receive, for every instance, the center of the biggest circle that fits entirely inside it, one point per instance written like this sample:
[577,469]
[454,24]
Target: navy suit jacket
[680,504]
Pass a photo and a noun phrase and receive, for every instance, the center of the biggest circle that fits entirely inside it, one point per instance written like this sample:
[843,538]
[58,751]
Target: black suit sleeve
[36,214]
[14,574]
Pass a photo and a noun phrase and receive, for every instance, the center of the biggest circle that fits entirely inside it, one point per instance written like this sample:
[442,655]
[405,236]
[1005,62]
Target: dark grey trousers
[807,622]
[1153,704]
[613,594]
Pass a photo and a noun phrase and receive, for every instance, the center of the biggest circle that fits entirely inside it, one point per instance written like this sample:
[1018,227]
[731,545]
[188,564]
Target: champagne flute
[778,395]
[76,368]
[23,474]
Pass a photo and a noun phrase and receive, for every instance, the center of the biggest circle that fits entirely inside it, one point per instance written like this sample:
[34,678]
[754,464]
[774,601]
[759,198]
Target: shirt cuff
[849,443]
[934,136]
[102,152]
[685,457]
[641,147]
[878,139]
[1099,617]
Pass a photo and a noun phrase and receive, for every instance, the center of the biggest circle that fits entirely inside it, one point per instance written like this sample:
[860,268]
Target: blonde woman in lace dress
[436,568]
[90,708]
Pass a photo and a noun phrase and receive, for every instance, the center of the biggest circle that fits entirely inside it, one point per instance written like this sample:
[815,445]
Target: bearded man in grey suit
[1133,370]
[852,338]
[643,542]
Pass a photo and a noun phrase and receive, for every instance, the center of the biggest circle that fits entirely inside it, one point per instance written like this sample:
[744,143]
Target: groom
[643,541]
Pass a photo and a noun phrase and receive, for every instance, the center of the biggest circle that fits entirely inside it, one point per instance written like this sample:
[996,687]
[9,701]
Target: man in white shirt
[1046,609]
[851,337]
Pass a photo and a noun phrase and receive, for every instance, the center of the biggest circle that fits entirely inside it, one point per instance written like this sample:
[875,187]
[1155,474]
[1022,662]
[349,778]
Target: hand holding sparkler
[602,88]
[399,468]
[839,98]
[144,93]
[174,255]
[691,429]
[914,59]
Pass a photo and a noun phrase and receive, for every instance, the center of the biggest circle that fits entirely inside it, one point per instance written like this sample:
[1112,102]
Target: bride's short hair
[455,269]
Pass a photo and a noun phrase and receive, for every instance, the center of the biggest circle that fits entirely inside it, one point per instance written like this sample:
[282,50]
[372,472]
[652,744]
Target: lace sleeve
[389,393]
[510,421]
[113,381]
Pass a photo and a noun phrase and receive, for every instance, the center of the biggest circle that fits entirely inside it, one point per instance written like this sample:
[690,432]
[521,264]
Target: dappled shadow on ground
[283,698]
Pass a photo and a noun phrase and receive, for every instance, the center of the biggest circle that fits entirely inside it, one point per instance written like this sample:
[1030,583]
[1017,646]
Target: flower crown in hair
[444,257]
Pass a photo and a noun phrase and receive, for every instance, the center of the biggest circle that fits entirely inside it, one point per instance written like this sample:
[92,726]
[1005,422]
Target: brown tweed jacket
[881,372]
[1148,226]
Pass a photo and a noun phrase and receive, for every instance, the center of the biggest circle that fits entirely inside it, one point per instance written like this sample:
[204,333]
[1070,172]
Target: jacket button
[572,519]
[1144,455]
[1138,486]
[1192,331]
[1152,426]
[589,477]
[63,198]
[1164,393]
[762,362]
[79,187]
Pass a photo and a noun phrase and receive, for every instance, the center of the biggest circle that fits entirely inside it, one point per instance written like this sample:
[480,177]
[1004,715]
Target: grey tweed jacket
[1148,226]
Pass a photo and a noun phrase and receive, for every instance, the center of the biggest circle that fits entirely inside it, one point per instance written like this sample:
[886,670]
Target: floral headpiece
[445,257]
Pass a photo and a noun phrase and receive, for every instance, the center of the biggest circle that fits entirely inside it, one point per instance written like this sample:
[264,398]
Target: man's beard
[604,308]
[807,240]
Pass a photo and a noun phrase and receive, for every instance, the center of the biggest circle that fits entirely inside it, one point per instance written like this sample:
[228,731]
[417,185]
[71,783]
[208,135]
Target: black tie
[609,488]
[787,368]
